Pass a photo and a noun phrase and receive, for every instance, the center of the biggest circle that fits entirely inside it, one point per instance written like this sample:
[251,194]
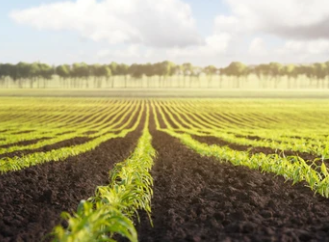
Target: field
[164,169]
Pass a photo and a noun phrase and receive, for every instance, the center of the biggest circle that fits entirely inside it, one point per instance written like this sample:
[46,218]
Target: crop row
[81,130]
[292,168]
[66,121]
[113,208]
[104,134]
[206,125]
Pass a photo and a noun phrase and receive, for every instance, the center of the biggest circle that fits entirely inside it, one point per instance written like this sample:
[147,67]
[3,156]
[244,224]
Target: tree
[327,73]
[196,72]
[187,71]
[275,70]
[46,72]
[114,70]
[210,72]
[290,72]
[320,72]
[123,70]
[2,74]
[149,72]
[34,73]
[63,71]
[166,70]
[80,72]
[95,71]
[236,69]
[177,70]
[136,71]
[105,72]
[22,72]
[9,70]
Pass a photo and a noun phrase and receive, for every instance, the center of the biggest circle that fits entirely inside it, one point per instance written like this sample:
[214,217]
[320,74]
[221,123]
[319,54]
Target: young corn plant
[112,209]
[291,168]
[18,163]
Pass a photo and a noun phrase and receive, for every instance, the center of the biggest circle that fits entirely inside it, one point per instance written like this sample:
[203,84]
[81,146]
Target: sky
[202,32]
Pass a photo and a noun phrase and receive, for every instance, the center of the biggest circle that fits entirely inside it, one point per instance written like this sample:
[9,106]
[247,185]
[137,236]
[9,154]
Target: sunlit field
[164,121]
[162,166]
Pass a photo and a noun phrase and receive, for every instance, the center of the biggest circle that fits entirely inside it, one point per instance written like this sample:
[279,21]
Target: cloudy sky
[198,31]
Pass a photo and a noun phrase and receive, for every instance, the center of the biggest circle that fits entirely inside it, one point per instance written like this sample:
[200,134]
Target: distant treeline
[29,72]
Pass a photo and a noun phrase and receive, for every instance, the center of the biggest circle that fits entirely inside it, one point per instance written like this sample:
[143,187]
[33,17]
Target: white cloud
[161,23]
[218,42]
[257,47]
[295,30]
[155,30]
[229,24]
[214,46]
[294,19]
[131,51]
[313,47]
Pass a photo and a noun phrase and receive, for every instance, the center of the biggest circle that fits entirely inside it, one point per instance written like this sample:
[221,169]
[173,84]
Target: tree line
[29,72]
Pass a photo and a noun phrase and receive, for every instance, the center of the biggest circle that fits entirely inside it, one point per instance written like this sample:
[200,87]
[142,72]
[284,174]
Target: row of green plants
[316,147]
[42,109]
[17,163]
[290,167]
[114,207]
[190,122]
[56,128]
[80,130]
[255,115]
[47,123]
[48,114]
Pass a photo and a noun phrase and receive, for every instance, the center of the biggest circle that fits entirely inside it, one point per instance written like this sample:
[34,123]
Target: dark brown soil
[252,137]
[66,132]
[83,118]
[131,124]
[203,119]
[31,200]
[58,145]
[172,124]
[183,117]
[200,199]
[22,143]
[225,119]
[162,124]
[23,132]
[210,140]
[5,130]
[90,132]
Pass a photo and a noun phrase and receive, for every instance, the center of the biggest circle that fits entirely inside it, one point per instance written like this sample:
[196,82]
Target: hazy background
[203,32]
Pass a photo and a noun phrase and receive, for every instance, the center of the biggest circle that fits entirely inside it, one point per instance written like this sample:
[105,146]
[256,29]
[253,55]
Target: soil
[58,145]
[252,137]
[183,117]
[200,199]
[131,124]
[83,118]
[22,143]
[4,131]
[210,140]
[169,120]
[23,132]
[32,199]
[90,132]
[66,132]
[68,142]
[203,120]
[195,198]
